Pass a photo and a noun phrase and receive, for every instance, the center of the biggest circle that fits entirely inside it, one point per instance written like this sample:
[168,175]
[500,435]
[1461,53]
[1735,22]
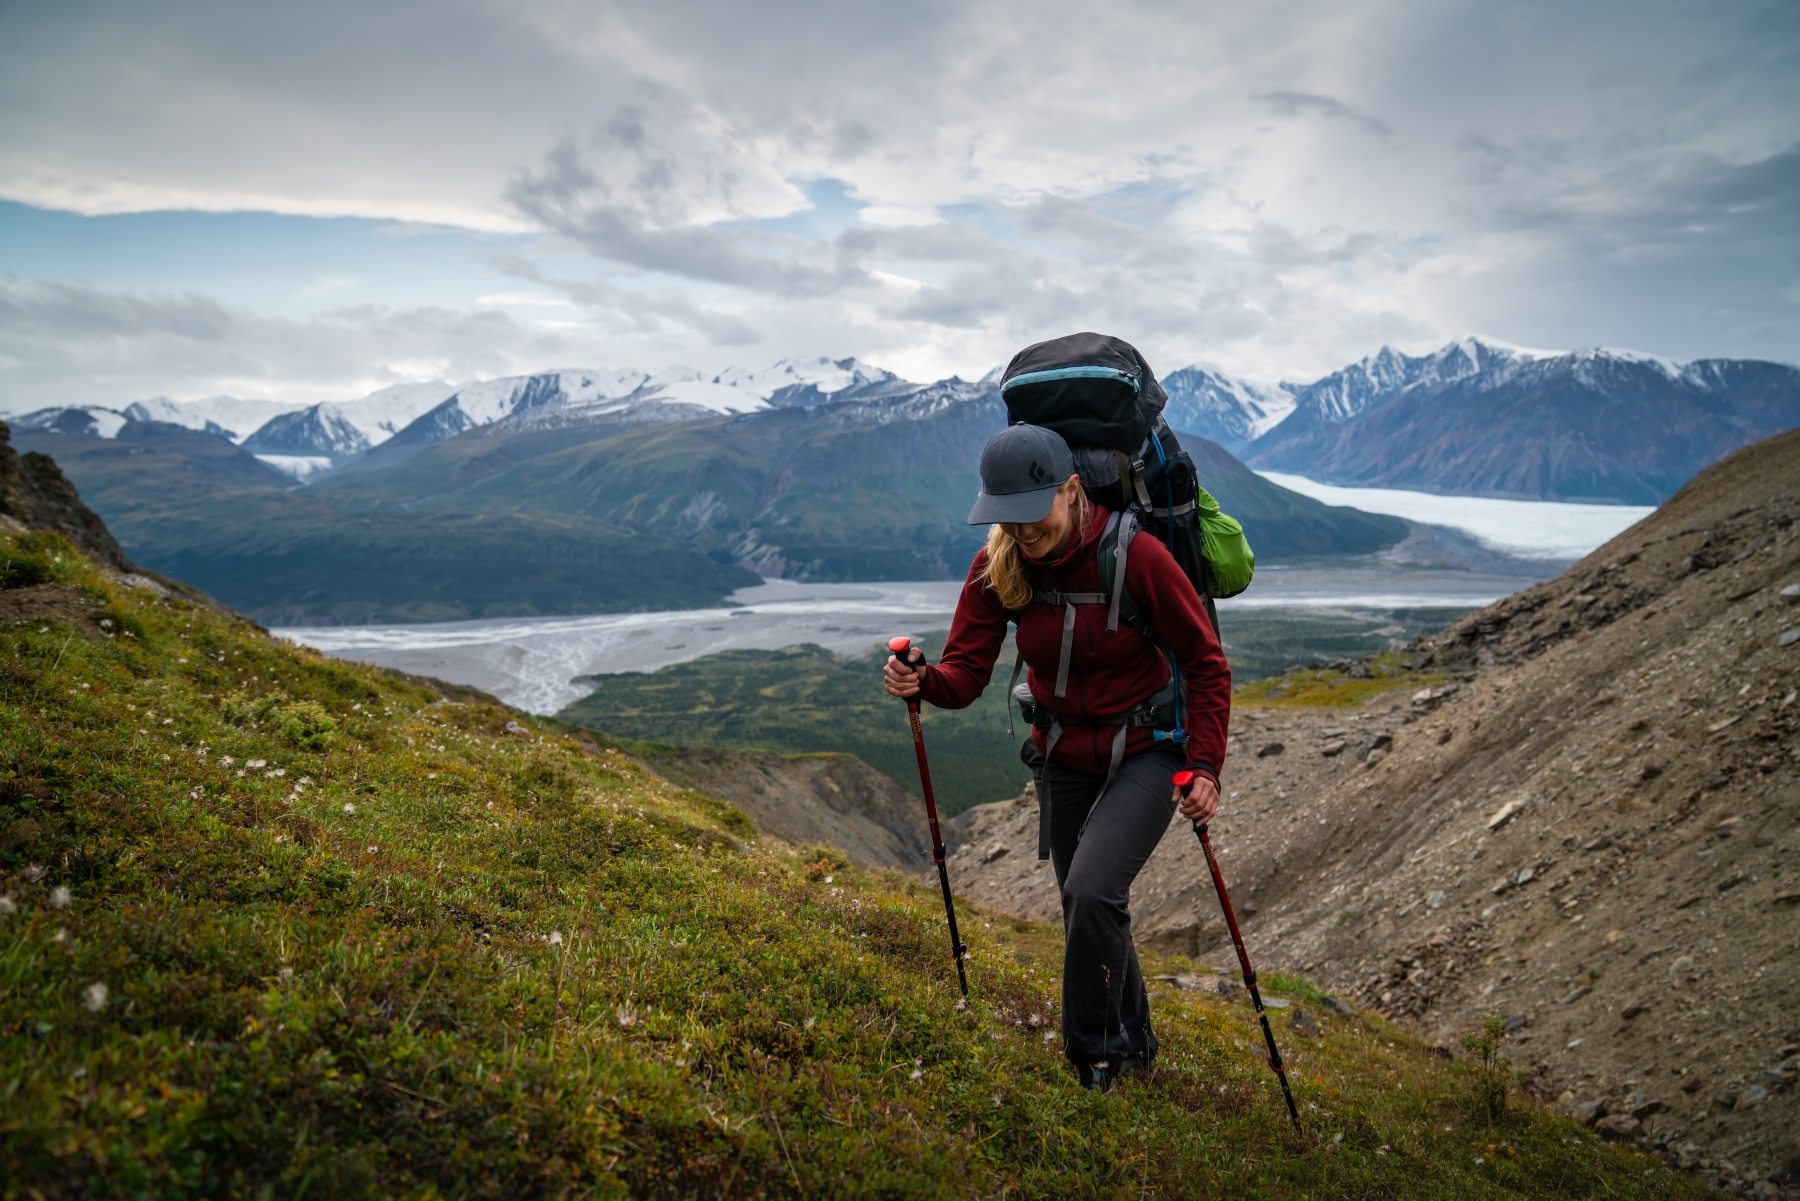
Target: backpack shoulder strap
[1110,558]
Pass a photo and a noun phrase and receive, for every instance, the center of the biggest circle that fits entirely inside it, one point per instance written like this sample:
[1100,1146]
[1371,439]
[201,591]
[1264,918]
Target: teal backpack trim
[1059,373]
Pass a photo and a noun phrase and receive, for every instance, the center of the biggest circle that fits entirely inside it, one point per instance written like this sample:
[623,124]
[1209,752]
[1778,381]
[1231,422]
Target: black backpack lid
[1093,389]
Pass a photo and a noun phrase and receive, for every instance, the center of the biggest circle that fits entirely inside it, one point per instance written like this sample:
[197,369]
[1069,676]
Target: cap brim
[1015,508]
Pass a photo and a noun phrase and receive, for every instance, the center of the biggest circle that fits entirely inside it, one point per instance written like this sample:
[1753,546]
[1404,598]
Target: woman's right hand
[904,681]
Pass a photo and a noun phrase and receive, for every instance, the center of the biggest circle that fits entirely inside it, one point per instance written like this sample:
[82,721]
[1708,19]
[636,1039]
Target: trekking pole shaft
[1185,781]
[1237,940]
[901,649]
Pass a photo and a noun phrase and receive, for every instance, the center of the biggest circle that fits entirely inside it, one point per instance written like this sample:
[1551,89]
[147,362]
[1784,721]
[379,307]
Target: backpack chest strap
[1114,541]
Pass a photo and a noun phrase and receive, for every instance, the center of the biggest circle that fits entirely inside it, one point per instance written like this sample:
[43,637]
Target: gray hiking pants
[1106,1012]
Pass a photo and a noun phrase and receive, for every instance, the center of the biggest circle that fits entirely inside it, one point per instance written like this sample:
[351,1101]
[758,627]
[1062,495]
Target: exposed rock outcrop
[36,495]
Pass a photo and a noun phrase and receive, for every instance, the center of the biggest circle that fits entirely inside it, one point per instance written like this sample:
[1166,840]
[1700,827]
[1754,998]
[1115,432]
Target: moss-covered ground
[279,926]
[1336,687]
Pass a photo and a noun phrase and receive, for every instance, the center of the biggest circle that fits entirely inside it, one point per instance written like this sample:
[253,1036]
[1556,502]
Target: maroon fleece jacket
[1109,673]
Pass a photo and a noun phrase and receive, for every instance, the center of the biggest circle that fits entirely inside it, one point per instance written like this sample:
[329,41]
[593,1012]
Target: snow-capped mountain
[1385,374]
[585,397]
[480,404]
[90,421]
[1232,412]
[797,383]
[313,441]
[227,416]
[323,430]
[1480,417]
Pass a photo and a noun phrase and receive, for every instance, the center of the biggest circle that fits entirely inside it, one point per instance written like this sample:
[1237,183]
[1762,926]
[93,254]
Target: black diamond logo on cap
[1037,474]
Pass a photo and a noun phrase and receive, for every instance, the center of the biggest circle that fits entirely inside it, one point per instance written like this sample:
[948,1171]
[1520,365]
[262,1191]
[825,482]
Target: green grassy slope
[282,926]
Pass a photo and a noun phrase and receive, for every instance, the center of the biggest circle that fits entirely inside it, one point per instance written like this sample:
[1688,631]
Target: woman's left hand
[1201,803]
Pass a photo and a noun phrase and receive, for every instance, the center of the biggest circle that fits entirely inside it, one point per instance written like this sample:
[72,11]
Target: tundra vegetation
[277,925]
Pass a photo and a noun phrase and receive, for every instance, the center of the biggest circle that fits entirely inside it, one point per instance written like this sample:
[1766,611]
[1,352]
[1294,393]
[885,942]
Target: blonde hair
[1005,570]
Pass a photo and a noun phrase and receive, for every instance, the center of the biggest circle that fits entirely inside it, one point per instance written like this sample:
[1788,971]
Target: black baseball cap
[1022,466]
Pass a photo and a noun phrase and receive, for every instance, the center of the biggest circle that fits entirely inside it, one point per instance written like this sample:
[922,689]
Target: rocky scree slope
[1579,808]
[278,924]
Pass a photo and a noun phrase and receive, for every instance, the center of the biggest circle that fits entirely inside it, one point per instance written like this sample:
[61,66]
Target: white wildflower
[8,906]
[374,850]
[827,879]
[556,938]
[627,1017]
[916,1073]
[33,873]
[93,997]
[811,1022]
[226,760]
[349,808]
[255,763]
[60,897]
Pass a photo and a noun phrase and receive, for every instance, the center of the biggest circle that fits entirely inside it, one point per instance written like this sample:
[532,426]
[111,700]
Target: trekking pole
[1184,780]
[902,648]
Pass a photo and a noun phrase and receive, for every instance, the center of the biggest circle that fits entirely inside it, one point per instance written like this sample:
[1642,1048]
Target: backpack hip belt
[1156,712]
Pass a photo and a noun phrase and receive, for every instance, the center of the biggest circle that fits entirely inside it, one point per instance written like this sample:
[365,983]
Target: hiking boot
[1099,1077]
[1106,1076]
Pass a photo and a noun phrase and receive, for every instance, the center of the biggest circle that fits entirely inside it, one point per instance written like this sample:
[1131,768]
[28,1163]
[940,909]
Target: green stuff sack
[1229,560]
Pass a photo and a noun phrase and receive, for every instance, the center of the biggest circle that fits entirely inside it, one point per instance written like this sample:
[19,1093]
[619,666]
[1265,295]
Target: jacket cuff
[1206,770]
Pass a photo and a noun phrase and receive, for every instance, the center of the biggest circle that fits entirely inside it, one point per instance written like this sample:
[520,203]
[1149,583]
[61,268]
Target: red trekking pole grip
[1184,780]
[902,648]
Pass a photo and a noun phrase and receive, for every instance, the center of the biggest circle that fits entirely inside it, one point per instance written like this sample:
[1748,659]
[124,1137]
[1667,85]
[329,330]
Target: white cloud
[1277,188]
[70,344]
[529,299]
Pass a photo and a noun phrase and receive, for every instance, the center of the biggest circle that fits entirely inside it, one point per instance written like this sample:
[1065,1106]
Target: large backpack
[1101,396]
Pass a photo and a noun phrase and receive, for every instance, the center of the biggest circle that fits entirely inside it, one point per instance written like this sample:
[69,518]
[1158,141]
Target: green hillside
[279,926]
[200,509]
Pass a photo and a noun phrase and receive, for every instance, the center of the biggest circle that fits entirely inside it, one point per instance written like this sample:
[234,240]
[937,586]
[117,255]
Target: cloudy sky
[309,201]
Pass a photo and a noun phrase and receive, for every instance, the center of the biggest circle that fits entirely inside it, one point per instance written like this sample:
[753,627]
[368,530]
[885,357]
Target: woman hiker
[1042,539]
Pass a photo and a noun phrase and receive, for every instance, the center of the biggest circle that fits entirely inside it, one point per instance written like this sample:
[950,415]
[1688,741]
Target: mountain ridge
[1487,419]
[1439,431]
